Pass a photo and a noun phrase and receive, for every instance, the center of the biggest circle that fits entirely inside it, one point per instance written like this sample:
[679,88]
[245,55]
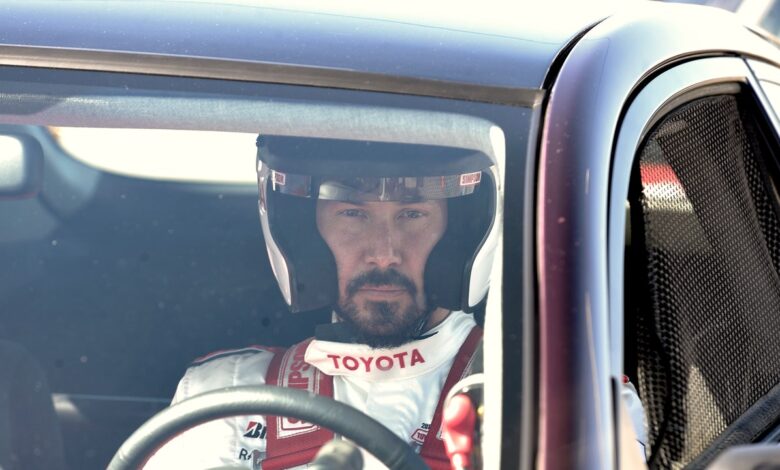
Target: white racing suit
[399,387]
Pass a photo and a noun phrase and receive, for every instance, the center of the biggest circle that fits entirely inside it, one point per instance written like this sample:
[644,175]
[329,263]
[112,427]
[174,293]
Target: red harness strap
[290,443]
[433,451]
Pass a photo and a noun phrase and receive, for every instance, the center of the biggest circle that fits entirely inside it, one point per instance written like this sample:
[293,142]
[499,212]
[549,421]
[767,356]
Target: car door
[669,268]
[698,147]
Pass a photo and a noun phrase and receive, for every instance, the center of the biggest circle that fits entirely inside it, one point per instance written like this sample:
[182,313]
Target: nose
[383,249]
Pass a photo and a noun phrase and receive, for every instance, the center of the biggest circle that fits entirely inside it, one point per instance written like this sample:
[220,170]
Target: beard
[383,324]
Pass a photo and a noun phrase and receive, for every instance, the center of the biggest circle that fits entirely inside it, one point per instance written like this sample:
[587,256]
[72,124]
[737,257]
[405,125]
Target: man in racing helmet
[397,240]
[344,220]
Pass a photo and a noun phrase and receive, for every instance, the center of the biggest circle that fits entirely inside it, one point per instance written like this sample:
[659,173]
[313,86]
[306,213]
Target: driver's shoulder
[226,368]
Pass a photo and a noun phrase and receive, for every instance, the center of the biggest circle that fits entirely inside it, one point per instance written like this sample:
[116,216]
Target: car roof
[489,51]
[487,45]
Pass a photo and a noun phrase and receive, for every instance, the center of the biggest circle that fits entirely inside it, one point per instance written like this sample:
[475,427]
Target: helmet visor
[374,189]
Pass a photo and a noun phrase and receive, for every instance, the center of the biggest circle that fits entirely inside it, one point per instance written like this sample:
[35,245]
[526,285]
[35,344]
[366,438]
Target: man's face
[381,249]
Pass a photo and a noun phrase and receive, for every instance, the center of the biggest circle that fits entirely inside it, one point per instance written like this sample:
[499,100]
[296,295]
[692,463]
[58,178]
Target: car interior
[196,253]
[112,282]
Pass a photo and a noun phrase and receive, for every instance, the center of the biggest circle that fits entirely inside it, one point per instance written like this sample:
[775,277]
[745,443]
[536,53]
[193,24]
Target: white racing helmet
[293,172]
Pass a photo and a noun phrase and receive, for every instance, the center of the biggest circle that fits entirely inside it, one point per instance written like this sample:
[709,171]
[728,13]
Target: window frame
[653,101]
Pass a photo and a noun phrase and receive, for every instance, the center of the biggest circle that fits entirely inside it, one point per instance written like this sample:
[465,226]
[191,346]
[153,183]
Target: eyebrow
[353,203]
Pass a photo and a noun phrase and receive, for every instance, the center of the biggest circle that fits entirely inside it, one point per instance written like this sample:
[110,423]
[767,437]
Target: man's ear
[448,270]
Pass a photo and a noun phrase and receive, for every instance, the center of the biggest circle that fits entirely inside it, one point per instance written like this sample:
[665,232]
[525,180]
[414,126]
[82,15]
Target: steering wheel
[266,400]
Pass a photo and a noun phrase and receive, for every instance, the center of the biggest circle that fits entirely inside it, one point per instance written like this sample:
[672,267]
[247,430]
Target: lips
[385,290]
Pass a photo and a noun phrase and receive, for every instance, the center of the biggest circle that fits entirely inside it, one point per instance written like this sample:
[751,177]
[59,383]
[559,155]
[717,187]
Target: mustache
[375,277]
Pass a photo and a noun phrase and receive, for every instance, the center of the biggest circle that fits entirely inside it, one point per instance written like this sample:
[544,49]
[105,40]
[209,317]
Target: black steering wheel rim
[266,400]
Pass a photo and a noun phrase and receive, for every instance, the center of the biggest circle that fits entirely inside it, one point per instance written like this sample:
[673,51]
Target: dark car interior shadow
[30,434]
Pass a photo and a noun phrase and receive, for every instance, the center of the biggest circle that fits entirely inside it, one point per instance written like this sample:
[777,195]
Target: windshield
[152,252]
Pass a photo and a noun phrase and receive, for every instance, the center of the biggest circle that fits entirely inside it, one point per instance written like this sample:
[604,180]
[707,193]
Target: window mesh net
[709,309]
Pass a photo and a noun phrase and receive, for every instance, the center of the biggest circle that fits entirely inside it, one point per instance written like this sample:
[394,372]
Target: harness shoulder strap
[291,442]
[433,451]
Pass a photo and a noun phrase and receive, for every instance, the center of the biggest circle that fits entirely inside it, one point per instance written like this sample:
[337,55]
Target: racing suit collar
[431,350]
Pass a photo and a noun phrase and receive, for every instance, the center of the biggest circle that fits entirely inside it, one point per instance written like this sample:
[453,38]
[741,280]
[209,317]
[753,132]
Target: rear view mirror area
[21,166]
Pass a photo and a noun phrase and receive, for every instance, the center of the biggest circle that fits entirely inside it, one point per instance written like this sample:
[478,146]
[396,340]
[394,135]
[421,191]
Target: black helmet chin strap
[419,332]
[338,332]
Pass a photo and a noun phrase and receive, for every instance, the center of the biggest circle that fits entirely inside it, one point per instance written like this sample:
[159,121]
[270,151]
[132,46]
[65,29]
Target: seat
[30,436]
[706,292]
